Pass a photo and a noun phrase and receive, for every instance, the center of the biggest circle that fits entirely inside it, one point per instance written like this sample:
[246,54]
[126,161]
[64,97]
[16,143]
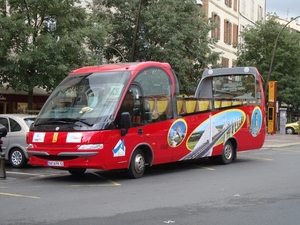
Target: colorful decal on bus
[73,137]
[119,149]
[256,121]
[177,133]
[214,131]
[38,137]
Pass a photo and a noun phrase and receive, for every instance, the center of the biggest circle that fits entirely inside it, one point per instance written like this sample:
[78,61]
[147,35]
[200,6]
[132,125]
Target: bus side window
[156,86]
[149,104]
[126,106]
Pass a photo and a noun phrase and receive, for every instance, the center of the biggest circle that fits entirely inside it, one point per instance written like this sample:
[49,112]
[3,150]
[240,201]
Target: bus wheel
[227,154]
[77,172]
[137,164]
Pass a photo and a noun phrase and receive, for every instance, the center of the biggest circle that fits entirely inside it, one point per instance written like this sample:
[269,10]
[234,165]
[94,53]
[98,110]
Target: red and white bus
[83,125]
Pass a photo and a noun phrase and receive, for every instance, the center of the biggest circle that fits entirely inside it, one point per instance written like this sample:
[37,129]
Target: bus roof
[131,66]
[233,70]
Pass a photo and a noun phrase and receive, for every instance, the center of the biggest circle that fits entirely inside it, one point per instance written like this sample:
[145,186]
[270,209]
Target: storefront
[17,102]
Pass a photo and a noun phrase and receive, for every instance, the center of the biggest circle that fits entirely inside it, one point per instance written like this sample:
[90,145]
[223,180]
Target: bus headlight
[91,147]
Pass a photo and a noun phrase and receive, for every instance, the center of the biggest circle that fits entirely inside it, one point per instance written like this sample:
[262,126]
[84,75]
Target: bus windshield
[84,102]
[234,86]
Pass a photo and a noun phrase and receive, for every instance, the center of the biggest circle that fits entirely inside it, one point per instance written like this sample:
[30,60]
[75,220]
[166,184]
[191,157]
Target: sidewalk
[281,140]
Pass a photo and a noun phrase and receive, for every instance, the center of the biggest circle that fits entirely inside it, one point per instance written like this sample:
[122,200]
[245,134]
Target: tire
[227,154]
[77,172]
[137,165]
[289,130]
[17,158]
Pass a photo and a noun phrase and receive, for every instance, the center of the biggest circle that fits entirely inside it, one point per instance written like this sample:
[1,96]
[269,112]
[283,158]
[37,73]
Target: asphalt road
[261,187]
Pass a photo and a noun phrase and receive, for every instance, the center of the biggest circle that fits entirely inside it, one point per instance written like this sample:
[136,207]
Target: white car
[14,143]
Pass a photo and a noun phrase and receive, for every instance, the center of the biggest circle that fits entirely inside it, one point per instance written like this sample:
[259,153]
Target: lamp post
[273,54]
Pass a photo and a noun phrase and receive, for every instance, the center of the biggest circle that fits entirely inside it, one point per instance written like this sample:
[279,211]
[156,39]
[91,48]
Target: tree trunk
[30,99]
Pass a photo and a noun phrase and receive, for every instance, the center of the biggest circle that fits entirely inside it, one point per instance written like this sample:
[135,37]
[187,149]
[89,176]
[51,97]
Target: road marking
[38,176]
[204,167]
[18,195]
[169,221]
[110,181]
[21,173]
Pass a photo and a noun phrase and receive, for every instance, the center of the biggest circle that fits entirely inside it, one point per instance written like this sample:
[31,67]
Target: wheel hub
[139,163]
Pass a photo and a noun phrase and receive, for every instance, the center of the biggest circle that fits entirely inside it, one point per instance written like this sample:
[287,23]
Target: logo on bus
[256,121]
[177,133]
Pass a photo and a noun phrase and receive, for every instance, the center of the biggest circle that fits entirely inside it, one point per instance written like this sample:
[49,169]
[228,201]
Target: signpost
[272,99]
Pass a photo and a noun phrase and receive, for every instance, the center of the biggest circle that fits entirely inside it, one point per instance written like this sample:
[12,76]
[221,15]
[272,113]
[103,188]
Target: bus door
[156,111]
[133,104]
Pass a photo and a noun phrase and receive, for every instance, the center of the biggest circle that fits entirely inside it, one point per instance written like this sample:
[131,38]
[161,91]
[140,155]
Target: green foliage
[168,31]
[257,50]
[41,41]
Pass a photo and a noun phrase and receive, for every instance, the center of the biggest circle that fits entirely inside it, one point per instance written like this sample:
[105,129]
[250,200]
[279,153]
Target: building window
[235,5]
[260,13]
[225,62]
[228,3]
[235,35]
[215,33]
[252,10]
[227,32]
[241,40]
[243,6]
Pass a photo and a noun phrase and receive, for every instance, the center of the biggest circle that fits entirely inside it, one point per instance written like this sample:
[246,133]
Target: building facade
[232,16]
[293,24]
[12,101]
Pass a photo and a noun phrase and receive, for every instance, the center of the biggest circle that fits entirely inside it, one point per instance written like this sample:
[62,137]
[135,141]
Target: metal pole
[2,165]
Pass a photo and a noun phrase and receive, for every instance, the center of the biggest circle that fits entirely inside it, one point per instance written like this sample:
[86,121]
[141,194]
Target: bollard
[2,165]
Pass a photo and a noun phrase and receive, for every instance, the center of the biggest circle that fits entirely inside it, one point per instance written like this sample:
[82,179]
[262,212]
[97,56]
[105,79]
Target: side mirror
[3,131]
[126,122]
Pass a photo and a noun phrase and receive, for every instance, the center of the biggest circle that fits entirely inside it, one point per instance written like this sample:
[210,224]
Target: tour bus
[129,116]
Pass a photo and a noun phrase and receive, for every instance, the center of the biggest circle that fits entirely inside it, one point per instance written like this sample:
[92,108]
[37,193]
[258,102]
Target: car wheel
[227,154]
[17,158]
[289,130]
[77,172]
[137,165]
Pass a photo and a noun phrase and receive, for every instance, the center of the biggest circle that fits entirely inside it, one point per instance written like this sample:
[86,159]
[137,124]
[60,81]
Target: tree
[41,41]
[257,50]
[169,31]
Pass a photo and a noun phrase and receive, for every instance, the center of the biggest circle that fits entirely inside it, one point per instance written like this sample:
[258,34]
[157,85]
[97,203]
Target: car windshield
[84,102]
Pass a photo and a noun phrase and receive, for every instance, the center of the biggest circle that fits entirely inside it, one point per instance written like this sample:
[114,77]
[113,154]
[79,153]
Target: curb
[280,145]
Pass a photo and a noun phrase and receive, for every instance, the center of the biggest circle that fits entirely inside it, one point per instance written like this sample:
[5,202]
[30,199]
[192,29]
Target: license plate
[55,163]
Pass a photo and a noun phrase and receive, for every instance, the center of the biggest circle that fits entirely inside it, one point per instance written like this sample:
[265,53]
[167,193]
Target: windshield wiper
[49,122]
[79,120]
[64,121]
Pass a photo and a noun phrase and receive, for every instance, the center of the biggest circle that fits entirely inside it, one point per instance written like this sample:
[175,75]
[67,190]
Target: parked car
[14,143]
[292,128]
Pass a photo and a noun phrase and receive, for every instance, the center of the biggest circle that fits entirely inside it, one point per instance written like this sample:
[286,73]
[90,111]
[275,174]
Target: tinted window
[14,126]
[234,86]
[4,122]
[154,82]
[156,86]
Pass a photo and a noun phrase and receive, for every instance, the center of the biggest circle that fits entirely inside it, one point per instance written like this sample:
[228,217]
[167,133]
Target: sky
[284,8]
